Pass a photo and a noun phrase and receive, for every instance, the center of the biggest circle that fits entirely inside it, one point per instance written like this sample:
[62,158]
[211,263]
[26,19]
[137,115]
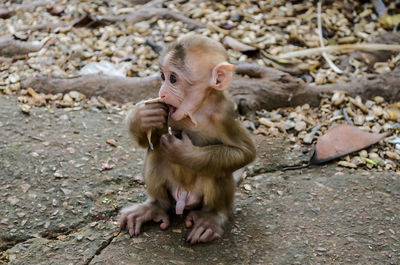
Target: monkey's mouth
[172,109]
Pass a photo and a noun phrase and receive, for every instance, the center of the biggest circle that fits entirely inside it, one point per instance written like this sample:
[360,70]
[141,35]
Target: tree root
[114,88]
[146,12]
[9,46]
[253,87]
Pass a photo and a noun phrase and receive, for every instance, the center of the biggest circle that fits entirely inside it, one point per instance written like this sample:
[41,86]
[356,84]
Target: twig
[380,8]
[346,116]
[324,54]
[341,48]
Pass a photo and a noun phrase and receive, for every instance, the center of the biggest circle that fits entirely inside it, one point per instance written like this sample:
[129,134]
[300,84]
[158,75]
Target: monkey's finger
[130,224]
[166,141]
[122,221]
[195,234]
[164,221]
[207,235]
[189,220]
[138,225]
[154,112]
[152,125]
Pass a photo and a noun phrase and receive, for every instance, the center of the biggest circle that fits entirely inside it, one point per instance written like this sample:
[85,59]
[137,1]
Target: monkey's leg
[208,222]
[159,201]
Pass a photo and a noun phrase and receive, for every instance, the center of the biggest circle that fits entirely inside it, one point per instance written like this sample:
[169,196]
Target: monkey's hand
[151,116]
[207,226]
[133,217]
[178,151]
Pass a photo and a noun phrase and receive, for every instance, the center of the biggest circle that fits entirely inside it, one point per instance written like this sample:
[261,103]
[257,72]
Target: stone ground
[59,207]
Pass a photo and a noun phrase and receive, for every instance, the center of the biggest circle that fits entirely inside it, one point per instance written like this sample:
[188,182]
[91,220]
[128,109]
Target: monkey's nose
[162,93]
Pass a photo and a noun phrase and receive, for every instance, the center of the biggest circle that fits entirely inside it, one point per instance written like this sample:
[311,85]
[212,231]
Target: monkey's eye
[162,76]
[172,78]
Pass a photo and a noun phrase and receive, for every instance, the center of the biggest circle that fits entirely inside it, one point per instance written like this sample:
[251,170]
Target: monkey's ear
[222,76]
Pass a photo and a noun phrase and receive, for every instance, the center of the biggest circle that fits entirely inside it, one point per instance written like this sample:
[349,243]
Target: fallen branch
[119,89]
[254,87]
[144,13]
[9,46]
[341,48]
[268,88]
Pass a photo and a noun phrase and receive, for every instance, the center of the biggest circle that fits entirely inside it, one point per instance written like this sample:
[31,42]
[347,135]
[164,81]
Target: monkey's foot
[207,226]
[132,217]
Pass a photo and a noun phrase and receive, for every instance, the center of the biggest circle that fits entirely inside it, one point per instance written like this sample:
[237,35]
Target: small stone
[274,131]
[347,164]
[88,194]
[266,122]
[300,126]
[370,118]
[338,98]
[377,111]
[112,142]
[13,78]
[79,237]
[358,161]
[387,127]
[247,187]
[320,79]
[359,120]
[68,98]
[363,153]
[58,174]
[275,117]
[321,249]
[289,125]
[26,109]
[379,100]
[77,96]
[376,128]
[392,155]
[308,138]
[374,156]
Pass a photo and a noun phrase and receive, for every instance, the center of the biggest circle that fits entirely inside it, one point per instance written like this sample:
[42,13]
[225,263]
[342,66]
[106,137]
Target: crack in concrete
[102,247]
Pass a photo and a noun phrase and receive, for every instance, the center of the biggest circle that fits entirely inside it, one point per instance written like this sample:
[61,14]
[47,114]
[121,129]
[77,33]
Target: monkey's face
[180,91]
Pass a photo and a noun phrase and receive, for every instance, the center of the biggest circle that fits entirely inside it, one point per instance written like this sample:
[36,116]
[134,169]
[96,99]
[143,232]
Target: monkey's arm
[236,151]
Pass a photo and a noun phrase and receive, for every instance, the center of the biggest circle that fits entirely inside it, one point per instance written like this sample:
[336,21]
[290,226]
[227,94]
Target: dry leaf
[338,141]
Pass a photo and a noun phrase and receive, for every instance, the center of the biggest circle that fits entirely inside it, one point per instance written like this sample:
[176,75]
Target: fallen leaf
[338,141]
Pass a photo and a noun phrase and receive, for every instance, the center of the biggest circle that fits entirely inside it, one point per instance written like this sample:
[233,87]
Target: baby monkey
[191,166]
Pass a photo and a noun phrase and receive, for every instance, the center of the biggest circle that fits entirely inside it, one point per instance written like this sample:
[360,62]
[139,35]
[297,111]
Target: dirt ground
[60,207]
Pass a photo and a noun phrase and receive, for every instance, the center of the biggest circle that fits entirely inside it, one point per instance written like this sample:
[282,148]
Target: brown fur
[218,146]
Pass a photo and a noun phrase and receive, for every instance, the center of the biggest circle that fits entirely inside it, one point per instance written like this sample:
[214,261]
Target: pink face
[181,95]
